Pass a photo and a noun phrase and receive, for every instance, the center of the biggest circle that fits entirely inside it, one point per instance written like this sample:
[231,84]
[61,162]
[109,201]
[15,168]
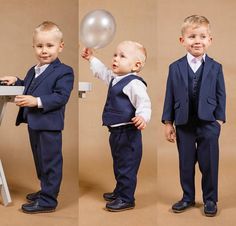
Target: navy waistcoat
[29,92]
[194,84]
[118,108]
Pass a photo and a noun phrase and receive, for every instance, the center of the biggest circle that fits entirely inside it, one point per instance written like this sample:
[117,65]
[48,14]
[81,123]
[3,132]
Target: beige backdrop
[222,16]
[136,20]
[17,22]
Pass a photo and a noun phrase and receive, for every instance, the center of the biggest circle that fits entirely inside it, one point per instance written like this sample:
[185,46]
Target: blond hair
[140,52]
[49,26]
[196,21]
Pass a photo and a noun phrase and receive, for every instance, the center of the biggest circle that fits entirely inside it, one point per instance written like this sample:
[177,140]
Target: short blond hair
[195,20]
[140,52]
[49,26]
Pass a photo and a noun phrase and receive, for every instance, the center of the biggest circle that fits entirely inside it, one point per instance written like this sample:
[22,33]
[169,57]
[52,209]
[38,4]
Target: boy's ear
[181,40]
[137,66]
[210,39]
[61,46]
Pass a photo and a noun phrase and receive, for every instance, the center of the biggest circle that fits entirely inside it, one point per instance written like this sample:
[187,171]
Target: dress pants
[197,141]
[126,148]
[47,152]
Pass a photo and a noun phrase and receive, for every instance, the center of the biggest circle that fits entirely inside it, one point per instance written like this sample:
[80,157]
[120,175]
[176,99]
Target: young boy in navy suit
[126,112]
[195,102]
[42,106]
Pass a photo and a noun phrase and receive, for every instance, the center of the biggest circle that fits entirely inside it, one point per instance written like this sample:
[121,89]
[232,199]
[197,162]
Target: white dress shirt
[135,90]
[38,71]
[194,62]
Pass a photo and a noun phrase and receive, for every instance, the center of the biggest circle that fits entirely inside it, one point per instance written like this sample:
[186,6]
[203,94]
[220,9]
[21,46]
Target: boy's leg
[186,139]
[128,151]
[51,161]
[113,140]
[208,158]
[34,141]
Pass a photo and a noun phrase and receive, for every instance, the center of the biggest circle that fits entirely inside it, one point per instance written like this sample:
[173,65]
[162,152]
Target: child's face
[47,46]
[196,40]
[125,60]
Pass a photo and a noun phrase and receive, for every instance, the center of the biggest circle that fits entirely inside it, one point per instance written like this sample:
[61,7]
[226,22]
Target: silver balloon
[97,29]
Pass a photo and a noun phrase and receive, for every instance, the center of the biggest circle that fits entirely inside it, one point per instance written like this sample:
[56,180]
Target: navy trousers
[47,152]
[126,149]
[198,142]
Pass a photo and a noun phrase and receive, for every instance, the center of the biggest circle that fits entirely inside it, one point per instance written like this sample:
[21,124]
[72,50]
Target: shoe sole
[210,214]
[44,211]
[114,210]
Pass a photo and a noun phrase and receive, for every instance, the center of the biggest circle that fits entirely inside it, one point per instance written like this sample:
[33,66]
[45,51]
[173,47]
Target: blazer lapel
[207,67]
[183,68]
[28,80]
[46,73]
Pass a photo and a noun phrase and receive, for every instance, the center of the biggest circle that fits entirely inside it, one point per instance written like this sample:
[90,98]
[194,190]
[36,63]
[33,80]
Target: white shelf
[83,88]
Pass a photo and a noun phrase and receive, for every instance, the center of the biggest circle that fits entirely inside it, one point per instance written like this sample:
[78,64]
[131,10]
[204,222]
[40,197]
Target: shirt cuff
[40,105]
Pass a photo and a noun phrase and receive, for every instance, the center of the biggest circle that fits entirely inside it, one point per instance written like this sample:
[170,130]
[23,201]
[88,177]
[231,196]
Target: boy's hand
[26,101]
[139,122]
[170,132]
[8,80]
[87,54]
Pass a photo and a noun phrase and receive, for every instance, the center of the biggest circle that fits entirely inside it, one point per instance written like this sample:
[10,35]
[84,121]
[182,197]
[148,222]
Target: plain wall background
[17,22]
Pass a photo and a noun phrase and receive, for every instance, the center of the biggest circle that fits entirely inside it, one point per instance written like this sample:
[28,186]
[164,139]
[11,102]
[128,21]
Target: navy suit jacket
[53,87]
[212,97]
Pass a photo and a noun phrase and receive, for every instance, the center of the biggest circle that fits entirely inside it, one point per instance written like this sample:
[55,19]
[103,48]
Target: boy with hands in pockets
[195,101]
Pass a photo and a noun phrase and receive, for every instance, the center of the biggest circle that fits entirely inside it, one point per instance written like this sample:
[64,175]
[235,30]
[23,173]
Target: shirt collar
[190,58]
[117,78]
[40,69]
[123,76]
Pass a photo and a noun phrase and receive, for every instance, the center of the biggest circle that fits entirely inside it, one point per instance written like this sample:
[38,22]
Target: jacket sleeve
[168,110]
[221,97]
[60,93]
[19,82]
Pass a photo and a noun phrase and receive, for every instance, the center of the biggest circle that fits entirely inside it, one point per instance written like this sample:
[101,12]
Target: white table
[7,94]
[83,88]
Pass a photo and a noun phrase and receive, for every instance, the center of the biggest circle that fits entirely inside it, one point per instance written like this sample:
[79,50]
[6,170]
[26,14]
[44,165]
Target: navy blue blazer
[212,97]
[53,87]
